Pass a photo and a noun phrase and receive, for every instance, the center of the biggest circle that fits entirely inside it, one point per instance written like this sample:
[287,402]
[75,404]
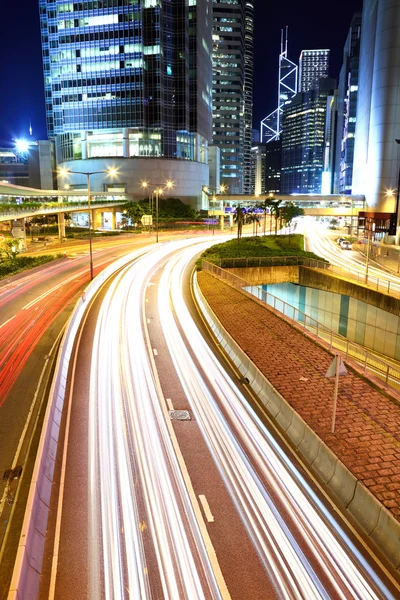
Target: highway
[34,306]
[211,506]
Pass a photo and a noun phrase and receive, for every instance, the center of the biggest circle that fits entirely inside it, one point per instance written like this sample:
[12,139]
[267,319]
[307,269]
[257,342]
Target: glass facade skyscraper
[232,92]
[128,78]
[313,64]
[304,140]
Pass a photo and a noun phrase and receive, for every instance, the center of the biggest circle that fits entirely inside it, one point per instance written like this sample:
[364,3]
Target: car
[340,240]
[345,245]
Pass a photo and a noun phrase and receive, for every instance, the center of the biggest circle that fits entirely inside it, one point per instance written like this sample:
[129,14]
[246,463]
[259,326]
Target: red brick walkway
[367,435]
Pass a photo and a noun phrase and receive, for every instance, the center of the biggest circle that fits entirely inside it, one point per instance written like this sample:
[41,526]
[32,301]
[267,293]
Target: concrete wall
[188,176]
[260,275]
[354,319]
[331,283]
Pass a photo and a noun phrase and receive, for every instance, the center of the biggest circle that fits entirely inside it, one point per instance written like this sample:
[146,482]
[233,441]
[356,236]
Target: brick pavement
[367,435]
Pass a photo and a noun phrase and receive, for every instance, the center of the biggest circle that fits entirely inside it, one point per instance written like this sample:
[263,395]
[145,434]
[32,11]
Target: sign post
[336,368]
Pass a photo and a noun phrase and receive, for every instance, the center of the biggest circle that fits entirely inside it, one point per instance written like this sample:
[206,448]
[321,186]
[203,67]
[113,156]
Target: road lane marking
[206,508]
[148,320]
[155,352]
[169,404]
[212,555]
[147,300]
[8,320]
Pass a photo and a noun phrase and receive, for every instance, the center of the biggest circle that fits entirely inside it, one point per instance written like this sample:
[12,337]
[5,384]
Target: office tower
[273,159]
[271,126]
[248,92]
[376,152]
[255,136]
[129,84]
[258,153]
[229,46]
[313,65]
[303,139]
[13,166]
[347,108]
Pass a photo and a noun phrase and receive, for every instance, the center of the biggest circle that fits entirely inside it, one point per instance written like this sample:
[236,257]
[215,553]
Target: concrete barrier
[374,519]
[26,575]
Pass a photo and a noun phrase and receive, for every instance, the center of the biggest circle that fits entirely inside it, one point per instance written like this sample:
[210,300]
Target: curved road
[152,506]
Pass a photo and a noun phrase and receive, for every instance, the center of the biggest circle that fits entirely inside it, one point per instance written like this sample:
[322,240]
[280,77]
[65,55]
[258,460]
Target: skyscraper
[347,107]
[248,92]
[304,139]
[129,83]
[376,153]
[313,64]
[232,92]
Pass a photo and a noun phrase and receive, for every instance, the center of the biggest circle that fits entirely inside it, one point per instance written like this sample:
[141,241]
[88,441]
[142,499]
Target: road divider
[370,514]
[28,565]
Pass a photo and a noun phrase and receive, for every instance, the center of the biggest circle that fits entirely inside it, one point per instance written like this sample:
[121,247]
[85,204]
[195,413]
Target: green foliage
[9,249]
[21,263]
[168,209]
[280,245]
[134,211]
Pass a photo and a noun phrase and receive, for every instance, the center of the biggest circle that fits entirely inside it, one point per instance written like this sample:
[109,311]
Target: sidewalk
[367,436]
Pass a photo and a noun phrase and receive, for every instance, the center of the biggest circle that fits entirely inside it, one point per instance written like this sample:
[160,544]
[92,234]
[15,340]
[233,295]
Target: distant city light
[22,145]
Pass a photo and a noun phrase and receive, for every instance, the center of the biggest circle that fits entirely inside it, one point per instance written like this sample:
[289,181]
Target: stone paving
[367,434]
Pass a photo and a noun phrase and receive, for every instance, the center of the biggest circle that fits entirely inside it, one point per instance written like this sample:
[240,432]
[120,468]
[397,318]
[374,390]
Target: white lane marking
[169,404]
[206,508]
[212,555]
[148,320]
[51,290]
[155,352]
[54,564]
[8,320]
[28,418]
[147,300]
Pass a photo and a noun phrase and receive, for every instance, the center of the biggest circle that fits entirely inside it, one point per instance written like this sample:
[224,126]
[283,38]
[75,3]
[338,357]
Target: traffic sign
[147,220]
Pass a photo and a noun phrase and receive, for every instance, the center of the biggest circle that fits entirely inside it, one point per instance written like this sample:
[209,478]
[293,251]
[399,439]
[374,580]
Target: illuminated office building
[129,84]
[232,92]
[313,65]
[304,139]
[347,109]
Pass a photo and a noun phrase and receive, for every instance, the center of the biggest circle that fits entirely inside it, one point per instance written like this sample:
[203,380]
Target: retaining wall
[374,519]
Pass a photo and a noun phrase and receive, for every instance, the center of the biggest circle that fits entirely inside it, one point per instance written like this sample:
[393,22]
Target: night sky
[312,24]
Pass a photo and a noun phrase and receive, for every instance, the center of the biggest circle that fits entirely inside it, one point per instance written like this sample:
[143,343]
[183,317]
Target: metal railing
[385,370]
[380,284]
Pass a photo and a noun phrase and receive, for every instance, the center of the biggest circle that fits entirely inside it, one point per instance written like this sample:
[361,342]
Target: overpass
[18,203]
[315,205]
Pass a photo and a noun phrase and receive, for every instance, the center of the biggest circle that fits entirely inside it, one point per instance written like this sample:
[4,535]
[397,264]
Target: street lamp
[159,189]
[222,189]
[111,172]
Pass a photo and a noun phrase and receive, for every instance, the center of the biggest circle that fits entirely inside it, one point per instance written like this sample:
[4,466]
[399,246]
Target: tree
[239,218]
[253,216]
[9,249]
[290,212]
[135,211]
[276,211]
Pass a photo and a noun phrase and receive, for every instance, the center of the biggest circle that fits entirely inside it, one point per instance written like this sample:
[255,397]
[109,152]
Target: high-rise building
[271,125]
[229,51]
[273,159]
[248,92]
[129,83]
[313,65]
[258,169]
[347,108]
[376,152]
[303,139]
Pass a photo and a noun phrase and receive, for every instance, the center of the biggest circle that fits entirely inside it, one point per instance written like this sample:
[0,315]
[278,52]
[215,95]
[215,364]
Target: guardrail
[373,518]
[28,565]
[371,363]
[380,284]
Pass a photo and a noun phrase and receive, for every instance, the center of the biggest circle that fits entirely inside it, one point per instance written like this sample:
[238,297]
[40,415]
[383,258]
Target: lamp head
[169,184]
[112,171]
[63,172]
[145,184]
[222,188]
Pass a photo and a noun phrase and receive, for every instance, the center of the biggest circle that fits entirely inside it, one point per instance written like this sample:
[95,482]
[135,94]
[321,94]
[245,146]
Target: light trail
[144,536]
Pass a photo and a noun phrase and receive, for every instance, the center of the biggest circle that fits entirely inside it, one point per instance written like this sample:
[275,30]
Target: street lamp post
[159,190]
[111,172]
[213,193]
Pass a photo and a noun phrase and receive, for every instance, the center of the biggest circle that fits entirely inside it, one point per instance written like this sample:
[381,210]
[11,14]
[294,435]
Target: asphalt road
[34,307]
[208,507]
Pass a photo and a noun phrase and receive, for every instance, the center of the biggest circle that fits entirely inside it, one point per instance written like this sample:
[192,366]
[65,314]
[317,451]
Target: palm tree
[239,217]
[276,211]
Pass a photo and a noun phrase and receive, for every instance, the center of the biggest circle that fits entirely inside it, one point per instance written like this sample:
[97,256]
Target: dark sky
[312,23]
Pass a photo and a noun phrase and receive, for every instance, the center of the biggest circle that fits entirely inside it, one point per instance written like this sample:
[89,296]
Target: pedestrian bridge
[315,205]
